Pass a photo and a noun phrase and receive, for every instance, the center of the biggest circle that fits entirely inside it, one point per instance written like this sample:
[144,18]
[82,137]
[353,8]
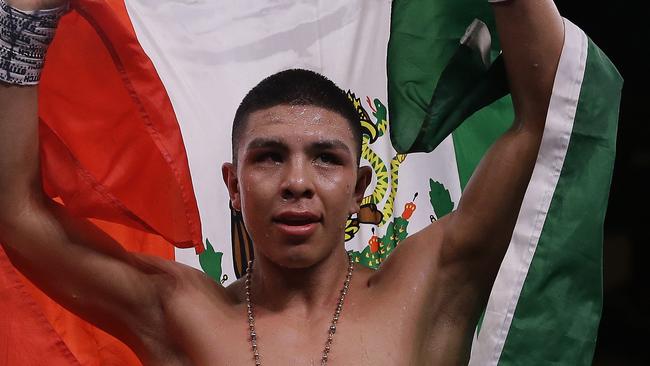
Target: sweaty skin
[296,181]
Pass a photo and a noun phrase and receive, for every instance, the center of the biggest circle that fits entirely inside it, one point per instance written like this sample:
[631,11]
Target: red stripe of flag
[111,150]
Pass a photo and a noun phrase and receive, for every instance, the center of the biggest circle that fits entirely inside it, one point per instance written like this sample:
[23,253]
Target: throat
[280,289]
[331,331]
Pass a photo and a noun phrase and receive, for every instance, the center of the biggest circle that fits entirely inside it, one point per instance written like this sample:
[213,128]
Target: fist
[36,4]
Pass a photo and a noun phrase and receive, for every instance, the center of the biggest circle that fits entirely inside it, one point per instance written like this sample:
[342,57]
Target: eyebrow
[268,142]
[331,145]
[265,142]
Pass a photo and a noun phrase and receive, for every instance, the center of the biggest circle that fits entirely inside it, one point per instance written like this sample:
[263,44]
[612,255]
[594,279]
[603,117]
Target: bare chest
[359,339]
[368,333]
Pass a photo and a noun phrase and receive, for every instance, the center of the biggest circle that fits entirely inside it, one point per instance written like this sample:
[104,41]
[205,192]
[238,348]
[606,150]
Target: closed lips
[296,218]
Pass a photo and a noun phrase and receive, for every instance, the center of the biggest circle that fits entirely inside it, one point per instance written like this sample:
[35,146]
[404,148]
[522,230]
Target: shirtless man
[295,177]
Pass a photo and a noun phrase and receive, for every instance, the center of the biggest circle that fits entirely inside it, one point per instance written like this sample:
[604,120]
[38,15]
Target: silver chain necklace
[330,331]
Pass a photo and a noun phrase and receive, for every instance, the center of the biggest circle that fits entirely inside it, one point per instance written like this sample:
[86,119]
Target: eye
[328,159]
[268,157]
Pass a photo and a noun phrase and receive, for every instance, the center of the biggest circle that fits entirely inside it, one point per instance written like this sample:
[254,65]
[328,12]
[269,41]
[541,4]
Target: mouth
[297,223]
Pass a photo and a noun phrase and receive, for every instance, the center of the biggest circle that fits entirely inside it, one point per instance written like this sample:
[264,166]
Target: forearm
[531,33]
[19,174]
[21,43]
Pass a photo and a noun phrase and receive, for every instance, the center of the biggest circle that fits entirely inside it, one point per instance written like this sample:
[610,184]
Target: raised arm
[69,258]
[459,255]
[478,232]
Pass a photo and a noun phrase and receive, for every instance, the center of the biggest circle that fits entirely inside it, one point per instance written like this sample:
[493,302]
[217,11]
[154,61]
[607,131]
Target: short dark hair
[295,87]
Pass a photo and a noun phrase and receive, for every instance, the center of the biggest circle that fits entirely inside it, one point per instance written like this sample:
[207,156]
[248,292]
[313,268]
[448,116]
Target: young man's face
[296,182]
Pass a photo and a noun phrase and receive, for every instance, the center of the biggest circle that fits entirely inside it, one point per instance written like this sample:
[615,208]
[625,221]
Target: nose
[297,182]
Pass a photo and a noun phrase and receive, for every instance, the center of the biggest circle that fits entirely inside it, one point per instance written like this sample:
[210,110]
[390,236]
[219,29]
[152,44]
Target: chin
[297,251]
[298,256]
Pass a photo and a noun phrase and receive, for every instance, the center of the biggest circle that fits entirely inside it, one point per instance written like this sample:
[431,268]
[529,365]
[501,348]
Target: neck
[278,289]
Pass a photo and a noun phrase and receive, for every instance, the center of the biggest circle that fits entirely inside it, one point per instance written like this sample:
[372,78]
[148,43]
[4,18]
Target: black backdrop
[621,32]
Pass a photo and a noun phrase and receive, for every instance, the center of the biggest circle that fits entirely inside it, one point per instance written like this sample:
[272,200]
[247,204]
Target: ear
[229,174]
[364,177]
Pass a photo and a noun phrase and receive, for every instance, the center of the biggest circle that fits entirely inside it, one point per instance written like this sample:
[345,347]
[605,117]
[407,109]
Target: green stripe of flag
[561,300]
[424,37]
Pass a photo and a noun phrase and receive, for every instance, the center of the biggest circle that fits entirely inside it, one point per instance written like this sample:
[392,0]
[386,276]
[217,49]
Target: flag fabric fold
[24,326]
[468,82]
[95,139]
[107,127]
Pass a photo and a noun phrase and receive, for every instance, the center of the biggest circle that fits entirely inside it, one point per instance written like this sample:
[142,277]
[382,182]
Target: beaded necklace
[330,332]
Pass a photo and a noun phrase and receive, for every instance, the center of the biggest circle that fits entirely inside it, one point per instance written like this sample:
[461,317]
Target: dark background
[618,29]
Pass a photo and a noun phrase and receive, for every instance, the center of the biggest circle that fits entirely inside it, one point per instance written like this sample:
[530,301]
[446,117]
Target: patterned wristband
[24,38]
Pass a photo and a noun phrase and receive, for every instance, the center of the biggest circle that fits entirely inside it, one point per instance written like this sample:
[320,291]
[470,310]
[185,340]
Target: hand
[36,4]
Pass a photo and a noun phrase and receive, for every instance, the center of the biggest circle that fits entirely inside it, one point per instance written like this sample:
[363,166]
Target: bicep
[454,261]
[83,269]
[478,232]
[428,270]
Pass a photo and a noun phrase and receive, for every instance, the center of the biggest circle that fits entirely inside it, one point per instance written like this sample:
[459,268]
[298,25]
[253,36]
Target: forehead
[297,123]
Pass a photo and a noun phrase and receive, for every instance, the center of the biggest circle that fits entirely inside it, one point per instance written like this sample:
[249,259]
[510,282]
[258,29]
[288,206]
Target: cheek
[331,182]
[254,198]
[255,189]
[339,190]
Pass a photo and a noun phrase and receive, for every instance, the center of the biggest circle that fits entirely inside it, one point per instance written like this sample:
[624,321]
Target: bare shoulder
[431,271]
[415,259]
[188,299]
[187,295]
[174,278]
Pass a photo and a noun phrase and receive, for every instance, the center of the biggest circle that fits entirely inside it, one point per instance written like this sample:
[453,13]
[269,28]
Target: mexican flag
[136,104]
